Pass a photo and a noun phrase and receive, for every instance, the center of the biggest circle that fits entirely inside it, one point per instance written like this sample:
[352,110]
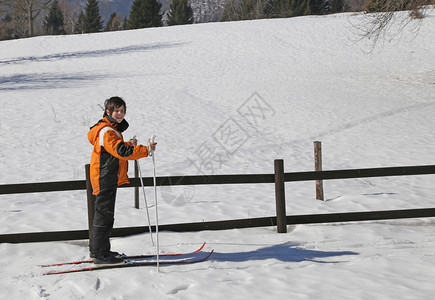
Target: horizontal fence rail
[42,187]
[226,179]
[223,225]
[223,179]
[360,173]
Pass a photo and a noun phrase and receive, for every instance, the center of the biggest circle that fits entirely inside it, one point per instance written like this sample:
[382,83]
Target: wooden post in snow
[281,218]
[318,167]
[136,188]
[90,198]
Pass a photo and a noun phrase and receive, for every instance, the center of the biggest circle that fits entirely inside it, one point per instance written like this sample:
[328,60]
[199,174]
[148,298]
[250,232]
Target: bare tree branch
[386,19]
[31,9]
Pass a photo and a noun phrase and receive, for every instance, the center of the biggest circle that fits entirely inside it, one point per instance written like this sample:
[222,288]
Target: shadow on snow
[44,81]
[91,53]
[288,252]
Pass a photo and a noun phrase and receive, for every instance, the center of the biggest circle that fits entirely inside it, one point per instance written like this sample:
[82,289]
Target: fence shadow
[287,252]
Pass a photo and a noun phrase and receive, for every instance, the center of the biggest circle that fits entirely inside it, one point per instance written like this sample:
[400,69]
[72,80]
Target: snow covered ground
[194,87]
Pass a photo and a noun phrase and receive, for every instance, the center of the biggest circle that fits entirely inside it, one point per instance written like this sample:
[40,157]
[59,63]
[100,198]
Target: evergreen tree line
[143,14]
[147,13]
[260,9]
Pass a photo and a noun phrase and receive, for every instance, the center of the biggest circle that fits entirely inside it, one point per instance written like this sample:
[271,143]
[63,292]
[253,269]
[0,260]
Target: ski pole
[155,199]
[145,198]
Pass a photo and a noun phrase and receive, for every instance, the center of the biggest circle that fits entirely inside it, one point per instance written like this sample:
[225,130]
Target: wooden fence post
[318,167]
[90,198]
[136,189]
[281,221]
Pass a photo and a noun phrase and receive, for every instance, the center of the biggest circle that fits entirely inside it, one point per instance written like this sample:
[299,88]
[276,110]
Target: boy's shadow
[287,252]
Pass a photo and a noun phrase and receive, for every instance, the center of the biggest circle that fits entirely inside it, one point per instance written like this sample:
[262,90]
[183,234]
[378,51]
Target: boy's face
[118,114]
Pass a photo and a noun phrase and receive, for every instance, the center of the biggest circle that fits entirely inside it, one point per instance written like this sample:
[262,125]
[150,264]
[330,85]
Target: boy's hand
[152,147]
[133,141]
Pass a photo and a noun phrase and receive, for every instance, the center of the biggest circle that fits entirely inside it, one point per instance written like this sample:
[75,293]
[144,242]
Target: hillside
[226,98]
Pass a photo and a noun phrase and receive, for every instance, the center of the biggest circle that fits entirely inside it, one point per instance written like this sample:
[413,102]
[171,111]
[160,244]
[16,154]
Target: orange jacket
[109,160]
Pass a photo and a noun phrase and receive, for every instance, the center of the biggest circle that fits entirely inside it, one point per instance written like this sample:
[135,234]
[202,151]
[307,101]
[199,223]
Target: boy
[109,165]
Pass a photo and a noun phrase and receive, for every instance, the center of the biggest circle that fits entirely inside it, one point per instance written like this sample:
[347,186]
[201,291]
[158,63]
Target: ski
[125,257]
[132,263]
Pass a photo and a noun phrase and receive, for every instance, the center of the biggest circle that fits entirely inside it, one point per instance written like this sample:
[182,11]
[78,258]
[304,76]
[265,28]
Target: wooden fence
[281,220]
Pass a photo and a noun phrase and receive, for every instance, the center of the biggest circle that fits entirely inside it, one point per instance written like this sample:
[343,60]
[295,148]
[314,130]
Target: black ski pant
[102,225]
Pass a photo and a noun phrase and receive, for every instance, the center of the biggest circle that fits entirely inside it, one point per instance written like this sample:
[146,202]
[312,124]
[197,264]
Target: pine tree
[78,28]
[180,13]
[114,23]
[92,19]
[282,9]
[145,13]
[336,6]
[299,7]
[306,7]
[6,28]
[53,22]
[317,7]
[375,5]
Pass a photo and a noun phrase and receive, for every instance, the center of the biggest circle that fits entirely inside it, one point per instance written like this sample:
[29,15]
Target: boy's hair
[112,103]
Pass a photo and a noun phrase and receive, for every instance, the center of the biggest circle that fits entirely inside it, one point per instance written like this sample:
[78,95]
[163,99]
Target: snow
[190,85]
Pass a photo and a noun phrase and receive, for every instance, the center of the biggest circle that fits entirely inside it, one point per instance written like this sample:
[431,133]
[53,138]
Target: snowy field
[194,87]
